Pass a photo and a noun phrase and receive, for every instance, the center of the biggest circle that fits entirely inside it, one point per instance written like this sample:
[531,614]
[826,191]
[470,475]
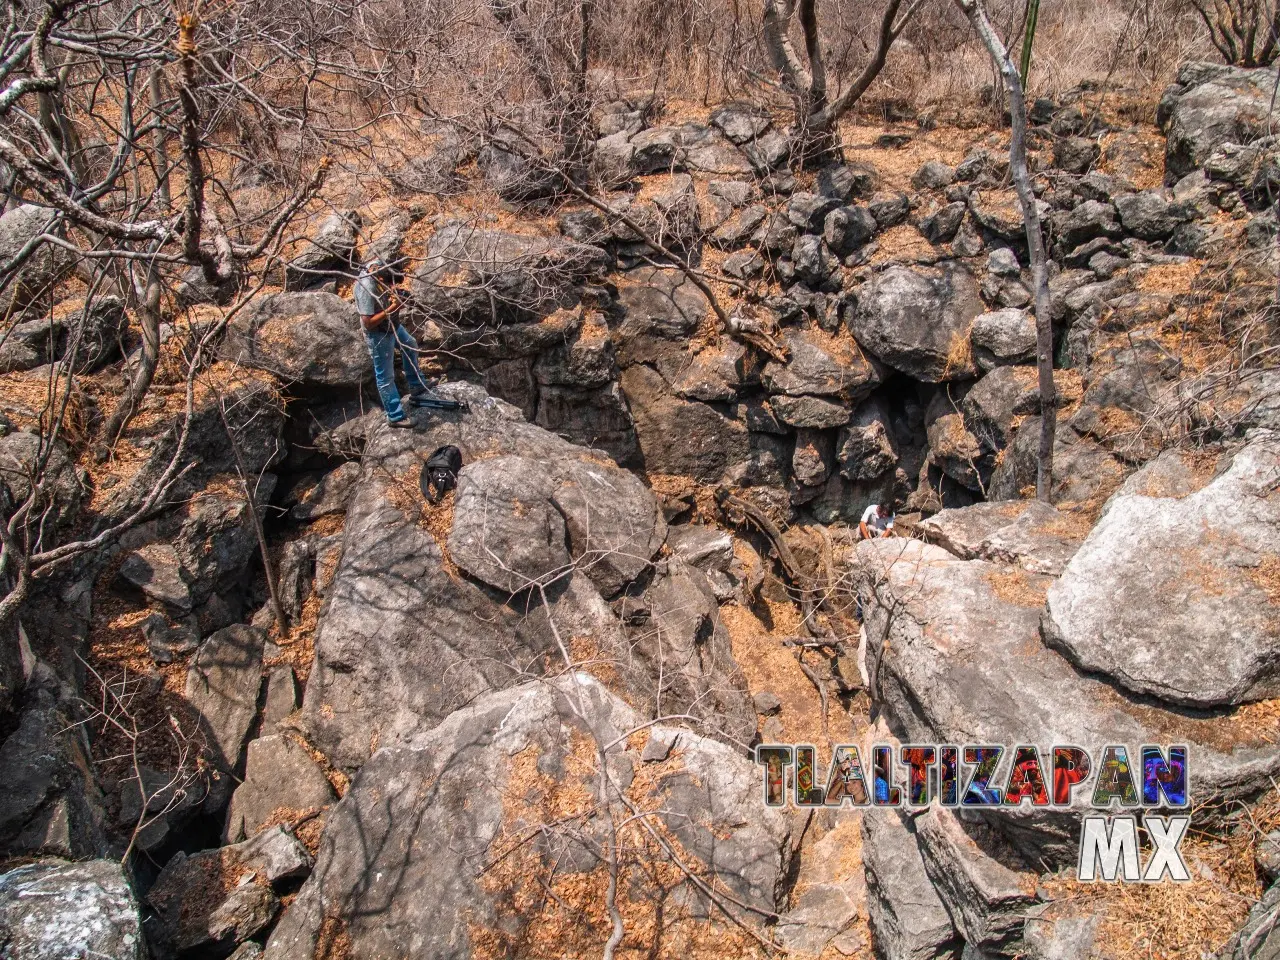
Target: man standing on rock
[378,305]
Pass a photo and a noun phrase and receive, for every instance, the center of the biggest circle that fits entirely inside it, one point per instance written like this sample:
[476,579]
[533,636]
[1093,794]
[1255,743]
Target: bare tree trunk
[1035,240]
[149,302]
[816,113]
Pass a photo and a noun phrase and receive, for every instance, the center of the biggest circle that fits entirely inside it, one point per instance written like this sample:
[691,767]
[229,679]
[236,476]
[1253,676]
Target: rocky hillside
[291,707]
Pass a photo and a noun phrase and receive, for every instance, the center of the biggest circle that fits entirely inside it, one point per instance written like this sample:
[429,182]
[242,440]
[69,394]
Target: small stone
[167,641]
[767,703]
[1075,154]
[1267,856]
[1003,263]
[892,141]
[157,572]
[933,175]
[844,183]
[889,209]
[657,748]
[743,265]
[942,226]
[736,192]
[247,911]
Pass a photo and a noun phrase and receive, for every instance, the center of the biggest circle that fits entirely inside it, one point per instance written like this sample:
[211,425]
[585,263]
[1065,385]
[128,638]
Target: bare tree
[1035,238]
[1245,32]
[818,102]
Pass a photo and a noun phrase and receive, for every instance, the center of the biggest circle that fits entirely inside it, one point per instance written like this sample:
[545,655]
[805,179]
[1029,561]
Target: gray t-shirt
[370,294]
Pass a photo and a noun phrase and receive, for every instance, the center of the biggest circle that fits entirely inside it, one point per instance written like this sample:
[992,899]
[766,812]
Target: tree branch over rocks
[1035,239]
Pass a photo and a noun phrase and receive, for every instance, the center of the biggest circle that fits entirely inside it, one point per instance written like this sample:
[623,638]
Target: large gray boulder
[1004,336]
[917,320]
[711,441]
[222,687]
[661,311]
[327,254]
[429,852]
[822,366]
[1083,471]
[908,920]
[89,338]
[961,634]
[280,781]
[865,448]
[421,618]
[1123,384]
[1175,597]
[473,277]
[60,490]
[1208,105]
[52,804]
[307,339]
[32,286]
[54,910]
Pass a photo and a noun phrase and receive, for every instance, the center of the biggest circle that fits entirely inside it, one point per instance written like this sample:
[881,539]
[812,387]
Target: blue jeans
[382,348]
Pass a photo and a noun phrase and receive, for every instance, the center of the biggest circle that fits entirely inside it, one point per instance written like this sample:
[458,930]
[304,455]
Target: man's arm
[862,528]
[375,321]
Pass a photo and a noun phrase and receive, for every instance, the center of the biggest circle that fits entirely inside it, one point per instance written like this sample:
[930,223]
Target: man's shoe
[405,424]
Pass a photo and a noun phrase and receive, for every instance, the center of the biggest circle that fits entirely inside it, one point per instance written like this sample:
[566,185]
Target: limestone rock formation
[1171,596]
[423,854]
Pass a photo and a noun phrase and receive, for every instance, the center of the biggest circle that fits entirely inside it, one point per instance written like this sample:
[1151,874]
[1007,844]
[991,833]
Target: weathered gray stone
[865,448]
[959,640]
[1259,936]
[472,277]
[740,227]
[280,777]
[933,175]
[1209,105]
[222,686]
[54,910]
[440,639]
[310,339]
[327,254]
[822,366]
[704,547]
[403,858]
[955,450]
[988,900]
[941,225]
[506,531]
[1188,616]
[810,412]
[329,495]
[60,491]
[1146,215]
[713,441]
[1076,154]
[1003,336]
[907,919]
[32,286]
[1082,469]
[848,228]
[52,805]
[248,910]
[205,898]
[917,320]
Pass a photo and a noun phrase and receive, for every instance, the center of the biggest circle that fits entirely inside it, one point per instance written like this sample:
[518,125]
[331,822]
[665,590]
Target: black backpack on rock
[440,473]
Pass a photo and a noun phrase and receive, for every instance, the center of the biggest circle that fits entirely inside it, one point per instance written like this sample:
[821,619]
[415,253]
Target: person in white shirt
[877,521]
